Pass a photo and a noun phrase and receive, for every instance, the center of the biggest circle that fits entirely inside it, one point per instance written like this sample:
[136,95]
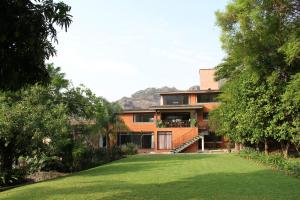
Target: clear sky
[117,47]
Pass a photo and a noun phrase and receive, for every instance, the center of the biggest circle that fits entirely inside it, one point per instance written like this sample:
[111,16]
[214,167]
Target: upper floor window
[204,98]
[176,99]
[143,117]
[205,116]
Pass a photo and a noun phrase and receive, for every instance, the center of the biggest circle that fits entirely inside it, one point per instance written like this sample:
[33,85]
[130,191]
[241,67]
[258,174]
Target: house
[179,123]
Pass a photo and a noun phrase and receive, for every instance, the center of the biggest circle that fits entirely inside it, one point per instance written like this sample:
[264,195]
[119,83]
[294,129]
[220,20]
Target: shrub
[13,177]
[82,157]
[54,164]
[129,149]
[115,153]
[159,124]
[101,156]
[193,122]
[275,160]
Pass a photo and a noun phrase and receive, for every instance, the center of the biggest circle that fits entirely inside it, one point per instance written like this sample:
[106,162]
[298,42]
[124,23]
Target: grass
[197,176]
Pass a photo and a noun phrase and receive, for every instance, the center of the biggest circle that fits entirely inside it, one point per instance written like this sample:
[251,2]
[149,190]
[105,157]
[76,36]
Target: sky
[117,47]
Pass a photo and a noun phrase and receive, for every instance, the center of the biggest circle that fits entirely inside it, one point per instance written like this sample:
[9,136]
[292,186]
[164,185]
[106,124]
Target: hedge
[274,160]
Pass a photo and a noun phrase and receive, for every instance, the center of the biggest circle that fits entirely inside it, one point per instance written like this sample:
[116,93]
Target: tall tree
[26,36]
[260,34]
[262,42]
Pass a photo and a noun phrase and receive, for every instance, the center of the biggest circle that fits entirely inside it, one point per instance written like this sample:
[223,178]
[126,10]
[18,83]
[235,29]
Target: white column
[202,142]
[101,141]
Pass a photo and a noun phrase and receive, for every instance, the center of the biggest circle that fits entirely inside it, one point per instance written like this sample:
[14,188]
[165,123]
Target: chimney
[207,81]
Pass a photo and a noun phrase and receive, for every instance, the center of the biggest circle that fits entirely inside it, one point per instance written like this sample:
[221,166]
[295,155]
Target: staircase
[186,144]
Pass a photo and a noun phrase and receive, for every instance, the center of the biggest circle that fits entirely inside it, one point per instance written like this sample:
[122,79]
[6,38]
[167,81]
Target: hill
[143,99]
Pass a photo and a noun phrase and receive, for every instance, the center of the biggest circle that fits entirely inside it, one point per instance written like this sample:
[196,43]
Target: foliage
[193,122]
[90,117]
[27,118]
[291,110]
[12,177]
[81,156]
[54,127]
[160,124]
[263,35]
[261,39]
[275,160]
[28,28]
[129,149]
[110,121]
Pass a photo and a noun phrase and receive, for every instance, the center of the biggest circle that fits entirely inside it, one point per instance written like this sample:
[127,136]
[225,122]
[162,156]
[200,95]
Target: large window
[143,117]
[164,140]
[204,98]
[205,115]
[176,99]
[212,137]
[143,140]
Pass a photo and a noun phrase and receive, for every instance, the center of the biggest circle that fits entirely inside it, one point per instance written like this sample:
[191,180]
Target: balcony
[176,120]
[176,123]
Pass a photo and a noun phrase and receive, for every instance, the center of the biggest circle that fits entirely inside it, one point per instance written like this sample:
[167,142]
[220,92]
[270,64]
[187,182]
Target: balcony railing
[174,123]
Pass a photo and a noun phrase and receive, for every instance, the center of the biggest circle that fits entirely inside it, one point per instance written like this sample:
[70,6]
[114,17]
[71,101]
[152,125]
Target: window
[165,140]
[147,141]
[205,98]
[212,137]
[205,115]
[176,116]
[143,117]
[175,99]
[143,140]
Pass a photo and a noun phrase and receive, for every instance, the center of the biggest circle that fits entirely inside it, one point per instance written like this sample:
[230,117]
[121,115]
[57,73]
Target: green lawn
[197,176]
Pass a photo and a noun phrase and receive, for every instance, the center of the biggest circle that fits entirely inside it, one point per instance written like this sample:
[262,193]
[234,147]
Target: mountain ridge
[143,99]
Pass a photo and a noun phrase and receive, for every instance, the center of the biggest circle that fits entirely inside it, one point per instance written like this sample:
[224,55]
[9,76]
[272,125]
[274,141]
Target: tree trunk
[108,141]
[7,160]
[229,146]
[266,147]
[237,147]
[241,146]
[285,149]
[297,148]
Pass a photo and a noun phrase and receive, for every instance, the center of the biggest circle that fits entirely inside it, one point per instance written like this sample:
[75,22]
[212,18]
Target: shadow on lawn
[263,184]
[162,157]
[142,163]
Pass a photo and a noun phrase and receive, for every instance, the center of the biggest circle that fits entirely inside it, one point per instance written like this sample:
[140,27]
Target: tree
[111,122]
[261,39]
[26,36]
[90,116]
[260,34]
[291,104]
[286,122]
[27,118]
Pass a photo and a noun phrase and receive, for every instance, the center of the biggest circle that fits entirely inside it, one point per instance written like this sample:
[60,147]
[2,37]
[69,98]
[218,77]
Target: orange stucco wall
[177,133]
[137,127]
[193,99]
[207,79]
[207,107]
